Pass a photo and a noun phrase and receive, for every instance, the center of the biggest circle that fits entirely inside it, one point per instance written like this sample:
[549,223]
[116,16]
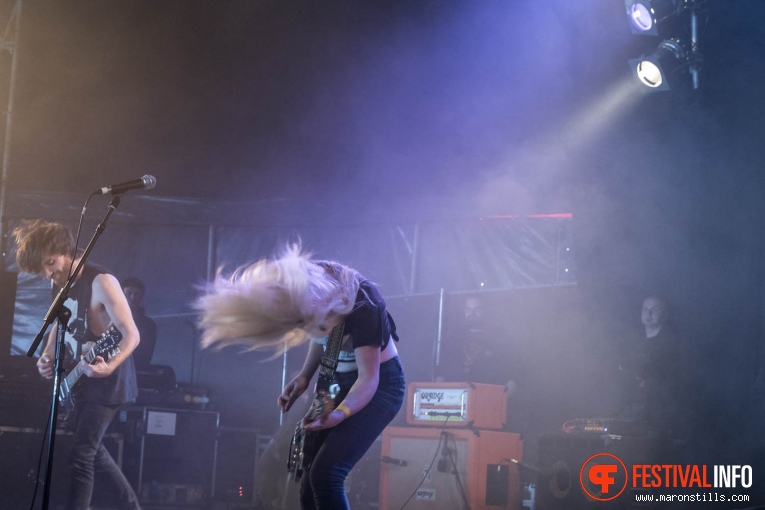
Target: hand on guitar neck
[322,413]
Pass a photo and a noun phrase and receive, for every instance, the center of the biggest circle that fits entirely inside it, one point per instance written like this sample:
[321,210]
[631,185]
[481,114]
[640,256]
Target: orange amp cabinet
[449,469]
[433,404]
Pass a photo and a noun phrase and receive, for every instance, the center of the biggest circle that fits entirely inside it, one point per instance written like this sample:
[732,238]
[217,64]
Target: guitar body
[106,347]
[66,404]
[305,444]
[300,458]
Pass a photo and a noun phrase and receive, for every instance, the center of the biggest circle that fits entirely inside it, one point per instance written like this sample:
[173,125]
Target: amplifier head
[445,404]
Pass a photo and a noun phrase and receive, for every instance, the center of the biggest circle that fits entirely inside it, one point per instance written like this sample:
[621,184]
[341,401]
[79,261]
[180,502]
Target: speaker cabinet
[435,469]
[239,451]
[7,308]
[20,450]
[561,457]
[170,454]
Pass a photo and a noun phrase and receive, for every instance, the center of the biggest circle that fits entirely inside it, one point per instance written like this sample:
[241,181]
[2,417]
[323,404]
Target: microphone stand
[58,311]
[64,315]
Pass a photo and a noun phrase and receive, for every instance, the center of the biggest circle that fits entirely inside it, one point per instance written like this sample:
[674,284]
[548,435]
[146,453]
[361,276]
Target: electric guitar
[106,347]
[305,445]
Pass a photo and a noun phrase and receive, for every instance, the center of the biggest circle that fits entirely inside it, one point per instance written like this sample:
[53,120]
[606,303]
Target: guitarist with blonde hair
[291,299]
[99,310]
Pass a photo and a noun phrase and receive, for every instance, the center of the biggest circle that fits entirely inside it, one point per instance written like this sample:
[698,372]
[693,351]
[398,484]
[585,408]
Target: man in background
[654,381]
[477,352]
[135,290]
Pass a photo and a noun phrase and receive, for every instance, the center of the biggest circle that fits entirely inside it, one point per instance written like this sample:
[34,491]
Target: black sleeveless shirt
[118,388]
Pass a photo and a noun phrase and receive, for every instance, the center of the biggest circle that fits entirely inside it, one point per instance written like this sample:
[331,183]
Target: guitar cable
[430,467]
[452,455]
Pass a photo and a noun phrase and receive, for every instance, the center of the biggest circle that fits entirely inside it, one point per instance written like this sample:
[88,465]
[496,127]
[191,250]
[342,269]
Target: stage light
[646,15]
[661,70]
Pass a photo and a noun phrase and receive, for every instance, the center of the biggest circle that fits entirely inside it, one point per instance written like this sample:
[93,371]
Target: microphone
[145,182]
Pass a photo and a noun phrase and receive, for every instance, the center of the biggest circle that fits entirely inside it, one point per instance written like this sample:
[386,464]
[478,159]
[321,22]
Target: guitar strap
[82,319]
[331,352]
[298,460]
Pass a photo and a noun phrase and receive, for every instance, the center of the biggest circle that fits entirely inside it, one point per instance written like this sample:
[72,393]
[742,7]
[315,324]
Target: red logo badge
[603,477]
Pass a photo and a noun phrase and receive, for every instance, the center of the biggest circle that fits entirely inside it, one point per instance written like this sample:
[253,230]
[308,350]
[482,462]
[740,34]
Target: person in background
[478,352]
[654,381]
[135,290]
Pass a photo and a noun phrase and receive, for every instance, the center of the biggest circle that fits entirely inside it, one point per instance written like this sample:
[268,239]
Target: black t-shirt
[653,380]
[369,323]
[119,387]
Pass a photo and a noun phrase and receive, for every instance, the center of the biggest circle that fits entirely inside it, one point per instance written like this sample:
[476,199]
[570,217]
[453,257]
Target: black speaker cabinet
[170,454]
[20,450]
[561,457]
[7,309]
[239,450]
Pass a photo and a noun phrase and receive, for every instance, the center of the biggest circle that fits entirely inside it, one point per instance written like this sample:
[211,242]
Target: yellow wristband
[344,409]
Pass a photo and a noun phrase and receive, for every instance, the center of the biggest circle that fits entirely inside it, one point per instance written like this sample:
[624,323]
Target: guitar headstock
[112,353]
[107,346]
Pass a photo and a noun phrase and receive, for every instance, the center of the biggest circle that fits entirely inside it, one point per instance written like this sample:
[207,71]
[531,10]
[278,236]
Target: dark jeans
[344,445]
[89,458]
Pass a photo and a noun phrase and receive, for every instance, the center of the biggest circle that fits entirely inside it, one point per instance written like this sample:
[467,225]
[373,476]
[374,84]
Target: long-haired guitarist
[97,303]
[285,301]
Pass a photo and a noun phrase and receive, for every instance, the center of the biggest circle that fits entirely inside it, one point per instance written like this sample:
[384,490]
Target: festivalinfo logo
[604,476]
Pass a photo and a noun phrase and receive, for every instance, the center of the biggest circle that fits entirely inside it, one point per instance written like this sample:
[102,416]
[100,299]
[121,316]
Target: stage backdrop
[175,245]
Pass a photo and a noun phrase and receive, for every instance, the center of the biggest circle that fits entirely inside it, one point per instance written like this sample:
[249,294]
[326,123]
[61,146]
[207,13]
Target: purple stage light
[641,18]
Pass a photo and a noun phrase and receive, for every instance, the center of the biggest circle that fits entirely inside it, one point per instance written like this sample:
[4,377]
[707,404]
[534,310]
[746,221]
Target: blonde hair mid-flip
[276,303]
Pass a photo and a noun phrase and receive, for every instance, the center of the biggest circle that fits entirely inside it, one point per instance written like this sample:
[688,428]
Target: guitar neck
[75,374]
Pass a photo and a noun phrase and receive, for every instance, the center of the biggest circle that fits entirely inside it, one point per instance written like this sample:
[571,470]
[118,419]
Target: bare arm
[298,385]
[108,294]
[45,362]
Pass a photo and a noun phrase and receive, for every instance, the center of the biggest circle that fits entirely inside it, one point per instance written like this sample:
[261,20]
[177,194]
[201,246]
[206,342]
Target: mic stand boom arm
[57,310]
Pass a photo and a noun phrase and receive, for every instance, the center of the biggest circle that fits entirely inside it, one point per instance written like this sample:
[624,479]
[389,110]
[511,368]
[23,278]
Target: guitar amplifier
[481,406]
